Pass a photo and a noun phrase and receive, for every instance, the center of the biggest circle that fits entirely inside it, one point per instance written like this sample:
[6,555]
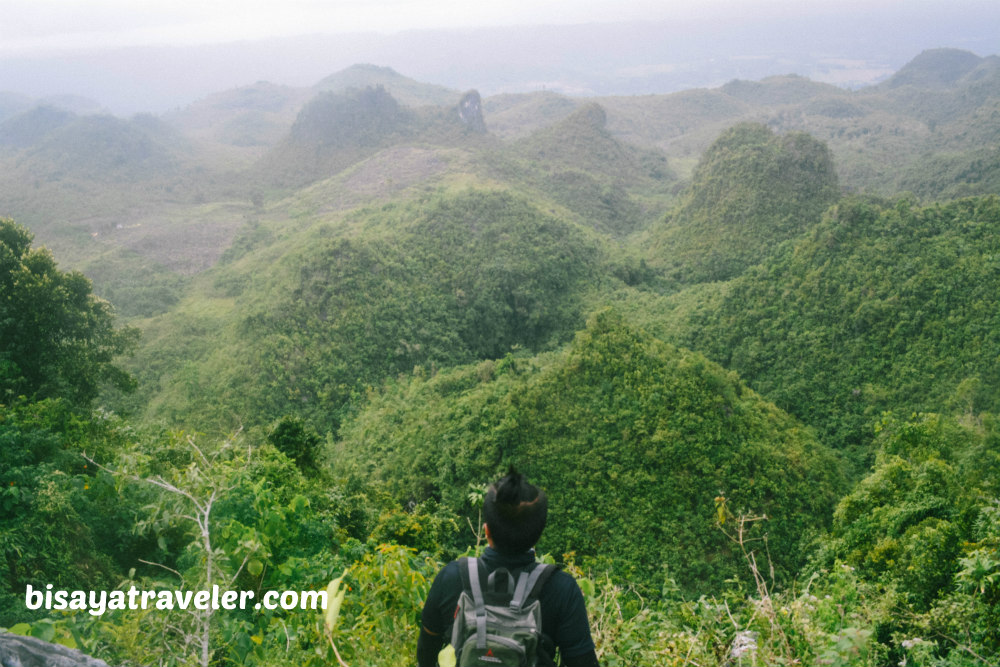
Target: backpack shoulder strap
[469,568]
[463,570]
[530,584]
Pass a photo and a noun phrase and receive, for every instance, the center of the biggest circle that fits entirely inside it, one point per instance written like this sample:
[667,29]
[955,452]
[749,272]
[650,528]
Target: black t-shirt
[564,613]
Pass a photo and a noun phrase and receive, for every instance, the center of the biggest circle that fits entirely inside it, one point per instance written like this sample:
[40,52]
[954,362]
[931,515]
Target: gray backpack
[499,623]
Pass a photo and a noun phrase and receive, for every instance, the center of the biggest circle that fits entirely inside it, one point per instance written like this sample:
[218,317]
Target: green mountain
[336,130]
[251,118]
[409,92]
[751,191]
[12,104]
[634,440]
[237,148]
[307,325]
[880,307]
[781,90]
[936,114]
[31,127]
[237,126]
[70,176]
[614,187]
[942,69]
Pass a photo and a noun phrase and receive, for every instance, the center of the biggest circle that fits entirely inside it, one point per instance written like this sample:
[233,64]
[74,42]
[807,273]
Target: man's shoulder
[562,582]
[450,573]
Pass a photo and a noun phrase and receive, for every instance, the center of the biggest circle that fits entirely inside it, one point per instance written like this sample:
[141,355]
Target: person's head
[515,513]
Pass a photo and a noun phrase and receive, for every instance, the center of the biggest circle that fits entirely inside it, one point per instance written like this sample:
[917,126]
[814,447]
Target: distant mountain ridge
[407,91]
[943,68]
[830,43]
[335,130]
[30,127]
[614,162]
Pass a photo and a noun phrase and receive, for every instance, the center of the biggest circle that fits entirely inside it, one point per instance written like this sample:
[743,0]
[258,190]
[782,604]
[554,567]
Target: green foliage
[381,611]
[900,522]
[423,527]
[60,524]
[923,525]
[225,514]
[407,91]
[57,340]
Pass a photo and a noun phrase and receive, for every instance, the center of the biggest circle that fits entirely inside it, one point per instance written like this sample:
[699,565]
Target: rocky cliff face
[470,110]
[19,651]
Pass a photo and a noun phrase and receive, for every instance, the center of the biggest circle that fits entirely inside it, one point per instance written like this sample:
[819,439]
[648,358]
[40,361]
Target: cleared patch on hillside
[185,240]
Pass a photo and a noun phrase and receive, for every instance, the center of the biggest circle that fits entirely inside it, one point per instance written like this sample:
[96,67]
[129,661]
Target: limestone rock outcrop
[470,110]
[20,651]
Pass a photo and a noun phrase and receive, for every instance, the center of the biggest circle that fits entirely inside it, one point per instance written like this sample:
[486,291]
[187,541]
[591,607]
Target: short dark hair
[516,512]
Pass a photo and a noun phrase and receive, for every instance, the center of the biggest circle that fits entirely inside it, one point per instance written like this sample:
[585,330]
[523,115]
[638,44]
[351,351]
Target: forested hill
[751,191]
[747,338]
[638,437]
[880,307]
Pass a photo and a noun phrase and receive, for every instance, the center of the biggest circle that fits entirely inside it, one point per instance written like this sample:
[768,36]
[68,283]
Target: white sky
[43,25]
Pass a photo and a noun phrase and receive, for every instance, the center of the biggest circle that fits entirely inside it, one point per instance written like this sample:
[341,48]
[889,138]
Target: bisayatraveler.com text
[99,602]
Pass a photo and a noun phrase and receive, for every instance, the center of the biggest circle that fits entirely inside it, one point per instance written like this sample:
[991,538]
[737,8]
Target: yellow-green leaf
[20,629]
[446,658]
[334,598]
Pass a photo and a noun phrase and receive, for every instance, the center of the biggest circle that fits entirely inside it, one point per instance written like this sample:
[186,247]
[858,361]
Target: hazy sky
[41,25]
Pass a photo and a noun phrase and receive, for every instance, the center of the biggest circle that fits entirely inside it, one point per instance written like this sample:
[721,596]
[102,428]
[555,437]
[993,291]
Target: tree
[57,339]
[910,522]
[294,438]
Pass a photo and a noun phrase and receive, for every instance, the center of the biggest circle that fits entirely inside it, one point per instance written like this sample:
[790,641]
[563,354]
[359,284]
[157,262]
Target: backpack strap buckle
[472,567]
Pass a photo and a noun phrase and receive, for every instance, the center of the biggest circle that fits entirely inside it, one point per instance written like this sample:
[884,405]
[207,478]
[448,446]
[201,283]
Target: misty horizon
[847,50]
